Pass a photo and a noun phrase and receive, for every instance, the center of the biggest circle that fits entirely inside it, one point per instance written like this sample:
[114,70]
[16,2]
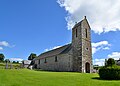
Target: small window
[76,33]
[56,59]
[39,61]
[45,60]
[87,48]
[86,32]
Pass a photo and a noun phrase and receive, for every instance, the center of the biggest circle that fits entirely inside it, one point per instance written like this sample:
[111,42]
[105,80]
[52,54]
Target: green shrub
[110,62]
[110,73]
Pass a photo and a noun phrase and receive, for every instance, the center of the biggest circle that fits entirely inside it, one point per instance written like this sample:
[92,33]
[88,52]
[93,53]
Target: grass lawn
[24,77]
[2,65]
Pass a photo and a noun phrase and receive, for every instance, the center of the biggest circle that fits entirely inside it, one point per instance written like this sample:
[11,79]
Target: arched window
[87,67]
[45,61]
[39,61]
[56,59]
[86,32]
[76,32]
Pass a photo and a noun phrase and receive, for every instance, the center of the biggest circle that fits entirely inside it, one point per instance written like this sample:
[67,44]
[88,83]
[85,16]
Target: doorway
[87,67]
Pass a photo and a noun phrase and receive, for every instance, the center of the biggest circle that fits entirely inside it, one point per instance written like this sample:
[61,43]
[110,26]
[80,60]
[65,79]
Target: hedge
[110,73]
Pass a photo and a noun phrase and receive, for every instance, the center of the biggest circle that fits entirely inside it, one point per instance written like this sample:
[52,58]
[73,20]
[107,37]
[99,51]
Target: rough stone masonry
[76,56]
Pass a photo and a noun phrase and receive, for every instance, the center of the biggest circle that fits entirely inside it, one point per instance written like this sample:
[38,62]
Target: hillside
[24,77]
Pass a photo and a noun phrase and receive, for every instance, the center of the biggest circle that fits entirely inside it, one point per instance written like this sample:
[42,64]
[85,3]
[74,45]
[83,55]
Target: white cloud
[106,48]
[4,43]
[1,48]
[99,62]
[102,14]
[16,59]
[52,48]
[114,55]
[102,45]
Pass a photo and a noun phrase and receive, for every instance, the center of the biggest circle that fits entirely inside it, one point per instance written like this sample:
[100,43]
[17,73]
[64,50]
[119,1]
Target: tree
[32,56]
[7,60]
[2,57]
[14,61]
[110,62]
[96,67]
[17,62]
[32,62]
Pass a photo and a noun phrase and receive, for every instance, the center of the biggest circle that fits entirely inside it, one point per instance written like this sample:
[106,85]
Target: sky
[36,26]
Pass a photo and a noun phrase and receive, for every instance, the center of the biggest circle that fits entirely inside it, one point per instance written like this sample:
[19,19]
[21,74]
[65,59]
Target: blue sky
[28,26]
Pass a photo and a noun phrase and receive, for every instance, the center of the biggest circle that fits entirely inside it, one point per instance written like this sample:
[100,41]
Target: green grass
[24,77]
[2,65]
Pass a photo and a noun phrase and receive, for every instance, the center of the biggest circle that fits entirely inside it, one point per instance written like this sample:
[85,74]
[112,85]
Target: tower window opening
[86,32]
[39,61]
[86,48]
[76,33]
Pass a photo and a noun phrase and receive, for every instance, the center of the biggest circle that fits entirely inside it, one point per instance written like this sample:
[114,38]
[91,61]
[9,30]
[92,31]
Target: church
[76,56]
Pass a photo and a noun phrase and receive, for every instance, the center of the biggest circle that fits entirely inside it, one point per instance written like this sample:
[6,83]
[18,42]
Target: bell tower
[81,47]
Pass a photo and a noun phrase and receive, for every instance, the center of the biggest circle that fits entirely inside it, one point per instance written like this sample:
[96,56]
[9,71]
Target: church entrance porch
[87,67]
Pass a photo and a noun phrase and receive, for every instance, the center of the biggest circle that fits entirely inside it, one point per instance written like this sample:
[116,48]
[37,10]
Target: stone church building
[76,56]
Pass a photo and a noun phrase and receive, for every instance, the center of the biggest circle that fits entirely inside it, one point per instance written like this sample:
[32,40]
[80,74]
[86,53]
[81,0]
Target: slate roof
[79,23]
[61,50]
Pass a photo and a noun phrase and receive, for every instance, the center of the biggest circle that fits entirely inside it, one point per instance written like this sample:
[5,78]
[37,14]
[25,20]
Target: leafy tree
[96,67]
[17,62]
[110,62]
[2,57]
[14,61]
[32,56]
[32,62]
[7,60]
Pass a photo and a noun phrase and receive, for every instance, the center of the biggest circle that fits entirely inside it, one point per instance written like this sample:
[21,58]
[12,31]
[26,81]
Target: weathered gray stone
[76,56]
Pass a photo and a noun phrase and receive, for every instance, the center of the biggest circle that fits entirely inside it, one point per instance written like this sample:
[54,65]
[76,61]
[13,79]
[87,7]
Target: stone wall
[64,63]
[86,45]
[81,46]
[77,48]
[77,57]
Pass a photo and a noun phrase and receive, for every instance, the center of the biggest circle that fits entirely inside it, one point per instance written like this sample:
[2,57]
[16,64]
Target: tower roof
[79,23]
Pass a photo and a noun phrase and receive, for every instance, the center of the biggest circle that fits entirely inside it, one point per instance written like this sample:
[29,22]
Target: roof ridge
[68,48]
[54,51]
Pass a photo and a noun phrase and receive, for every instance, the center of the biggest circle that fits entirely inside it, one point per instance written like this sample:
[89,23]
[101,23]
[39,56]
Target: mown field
[14,65]
[25,77]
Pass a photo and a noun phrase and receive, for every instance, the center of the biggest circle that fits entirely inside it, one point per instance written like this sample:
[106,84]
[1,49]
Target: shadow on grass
[98,78]
[55,71]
